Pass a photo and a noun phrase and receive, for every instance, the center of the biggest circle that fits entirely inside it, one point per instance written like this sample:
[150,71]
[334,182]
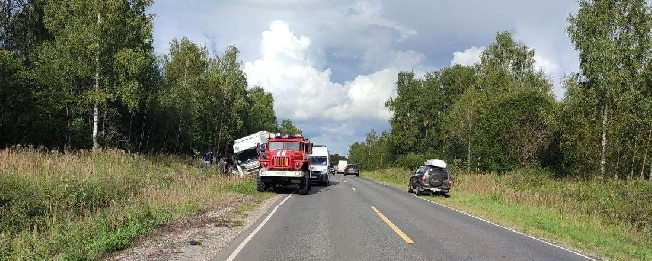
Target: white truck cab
[245,150]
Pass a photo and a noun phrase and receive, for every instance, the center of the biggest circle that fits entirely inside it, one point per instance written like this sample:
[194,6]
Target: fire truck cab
[285,161]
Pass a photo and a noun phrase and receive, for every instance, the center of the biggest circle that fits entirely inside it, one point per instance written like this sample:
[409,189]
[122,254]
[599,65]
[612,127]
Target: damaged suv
[431,177]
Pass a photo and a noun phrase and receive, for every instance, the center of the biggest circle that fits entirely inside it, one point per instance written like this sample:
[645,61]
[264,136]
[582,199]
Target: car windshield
[284,145]
[318,160]
[421,170]
[351,167]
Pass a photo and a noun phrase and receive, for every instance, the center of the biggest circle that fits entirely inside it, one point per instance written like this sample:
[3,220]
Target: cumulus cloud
[303,92]
[467,57]
[366,97]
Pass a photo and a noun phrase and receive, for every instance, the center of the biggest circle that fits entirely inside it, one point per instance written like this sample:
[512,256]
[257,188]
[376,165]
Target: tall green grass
[85,205]
[606,218]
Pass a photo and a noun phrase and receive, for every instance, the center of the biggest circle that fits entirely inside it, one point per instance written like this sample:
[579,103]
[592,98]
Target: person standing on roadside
[221,166]
[208,159]
[260,150]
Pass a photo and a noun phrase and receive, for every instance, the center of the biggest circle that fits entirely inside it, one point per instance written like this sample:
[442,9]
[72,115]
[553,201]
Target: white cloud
[546,65]
[551,57]
[301,92]
[366,97]
[468,57]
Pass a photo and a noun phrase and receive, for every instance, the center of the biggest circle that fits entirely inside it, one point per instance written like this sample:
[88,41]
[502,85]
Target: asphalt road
[358,219]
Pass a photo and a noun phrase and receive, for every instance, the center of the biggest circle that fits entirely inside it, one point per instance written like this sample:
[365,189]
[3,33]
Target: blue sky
[332,64]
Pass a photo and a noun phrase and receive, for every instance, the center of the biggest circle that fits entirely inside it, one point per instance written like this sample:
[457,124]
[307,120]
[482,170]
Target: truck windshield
[318,160]
[246,155]
[284,145]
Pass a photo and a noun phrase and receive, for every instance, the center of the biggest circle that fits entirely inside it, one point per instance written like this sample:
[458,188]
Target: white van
[319,160]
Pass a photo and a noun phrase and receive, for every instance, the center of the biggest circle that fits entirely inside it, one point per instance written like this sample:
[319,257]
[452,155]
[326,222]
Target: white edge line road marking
[501,226]
[242,245]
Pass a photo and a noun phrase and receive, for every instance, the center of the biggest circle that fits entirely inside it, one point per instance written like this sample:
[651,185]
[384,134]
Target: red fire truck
[285,161]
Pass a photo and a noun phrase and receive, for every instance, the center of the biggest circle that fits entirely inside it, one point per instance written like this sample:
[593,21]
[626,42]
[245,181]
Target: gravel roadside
[199,239]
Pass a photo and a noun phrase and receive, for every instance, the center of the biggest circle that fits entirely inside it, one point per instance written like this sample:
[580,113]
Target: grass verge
[87,205]
[600,218]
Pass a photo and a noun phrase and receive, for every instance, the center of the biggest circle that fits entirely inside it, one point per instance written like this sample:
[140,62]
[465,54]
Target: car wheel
[418,191]
[447,195]
[357,175]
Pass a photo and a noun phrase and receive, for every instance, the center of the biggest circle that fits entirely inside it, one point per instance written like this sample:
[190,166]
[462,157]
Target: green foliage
[247,186]
[515,129]
[613,43]
[335,158]
[461,125]
[260,115]
[287,128]
[495,116]
[374,153]
[15,100]
[410,161]
[395,176]
[409,119]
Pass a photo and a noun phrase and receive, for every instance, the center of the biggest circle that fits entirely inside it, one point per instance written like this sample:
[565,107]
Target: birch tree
[613,40]
[100,47]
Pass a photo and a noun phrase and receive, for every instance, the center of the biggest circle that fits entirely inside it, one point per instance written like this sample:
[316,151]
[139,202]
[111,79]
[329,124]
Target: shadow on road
[315,188]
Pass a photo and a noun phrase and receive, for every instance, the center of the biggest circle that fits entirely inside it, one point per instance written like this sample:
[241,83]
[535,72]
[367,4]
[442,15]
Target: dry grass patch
[82,205]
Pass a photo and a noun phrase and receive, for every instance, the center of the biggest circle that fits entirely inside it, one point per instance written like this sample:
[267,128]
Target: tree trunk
[142,130]
[216,134]
[219,136]
[96,115]
[647,143]
[219,126]
[603,143]
[468,146]
[631,172]
[381,159]
[68,124]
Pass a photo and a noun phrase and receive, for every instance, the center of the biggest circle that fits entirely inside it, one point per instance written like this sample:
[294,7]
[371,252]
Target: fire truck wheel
[261,186]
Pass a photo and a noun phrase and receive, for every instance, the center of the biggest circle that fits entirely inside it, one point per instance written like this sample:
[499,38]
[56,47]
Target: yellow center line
[392,226]
[353,189]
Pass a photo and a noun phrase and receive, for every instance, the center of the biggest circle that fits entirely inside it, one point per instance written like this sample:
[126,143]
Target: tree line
[83,74]
[500,114]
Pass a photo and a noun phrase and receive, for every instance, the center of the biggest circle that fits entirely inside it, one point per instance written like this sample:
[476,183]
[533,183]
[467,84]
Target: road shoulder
[200,238]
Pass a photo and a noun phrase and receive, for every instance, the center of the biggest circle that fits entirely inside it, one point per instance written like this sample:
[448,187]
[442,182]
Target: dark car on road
[431,177]
[351,169]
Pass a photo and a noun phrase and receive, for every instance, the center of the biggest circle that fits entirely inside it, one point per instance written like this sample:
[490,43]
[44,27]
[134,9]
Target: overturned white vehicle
[246,154]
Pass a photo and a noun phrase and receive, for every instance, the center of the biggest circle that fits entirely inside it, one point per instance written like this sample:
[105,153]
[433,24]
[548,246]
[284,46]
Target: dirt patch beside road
[199,238]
